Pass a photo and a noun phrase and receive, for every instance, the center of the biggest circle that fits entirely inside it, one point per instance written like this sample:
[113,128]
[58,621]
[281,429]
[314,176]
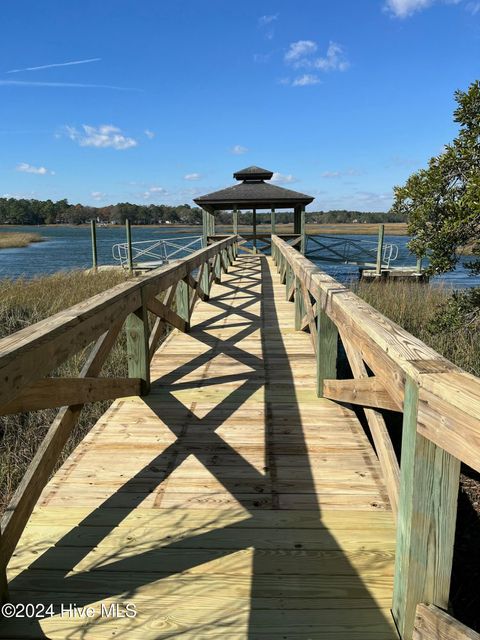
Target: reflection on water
[70,248]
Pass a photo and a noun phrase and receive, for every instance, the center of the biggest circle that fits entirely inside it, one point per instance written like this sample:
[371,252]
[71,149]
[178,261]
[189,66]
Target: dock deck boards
[230,503]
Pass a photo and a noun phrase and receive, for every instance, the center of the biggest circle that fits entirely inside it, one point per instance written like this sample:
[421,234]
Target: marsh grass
[418,308]
[13,240]
[22,303]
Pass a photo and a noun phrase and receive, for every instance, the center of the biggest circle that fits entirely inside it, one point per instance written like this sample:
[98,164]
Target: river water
[70,248]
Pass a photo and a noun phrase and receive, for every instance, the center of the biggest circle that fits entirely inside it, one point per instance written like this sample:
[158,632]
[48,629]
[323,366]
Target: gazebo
[254,192]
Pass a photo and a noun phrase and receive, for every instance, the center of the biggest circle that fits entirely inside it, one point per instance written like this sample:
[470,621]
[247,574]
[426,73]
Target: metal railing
[348,251]
[150,254]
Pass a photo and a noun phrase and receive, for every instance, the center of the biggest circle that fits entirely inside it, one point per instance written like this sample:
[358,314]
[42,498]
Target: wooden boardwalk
[229,503]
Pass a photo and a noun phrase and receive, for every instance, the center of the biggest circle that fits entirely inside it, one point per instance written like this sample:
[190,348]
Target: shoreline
[346,228]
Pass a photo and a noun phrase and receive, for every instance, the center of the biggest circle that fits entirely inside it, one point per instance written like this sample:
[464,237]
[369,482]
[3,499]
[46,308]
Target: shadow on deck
[229,503]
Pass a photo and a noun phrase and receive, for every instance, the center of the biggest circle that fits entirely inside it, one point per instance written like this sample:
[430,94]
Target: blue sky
[342,100]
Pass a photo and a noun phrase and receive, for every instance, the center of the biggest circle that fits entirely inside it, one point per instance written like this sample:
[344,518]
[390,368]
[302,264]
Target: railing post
[4,595]
[138,352]
[217,268]
[93,228]
[183,302]
[224,260]
[129,245]
[381,233]
[205,279]
[288,281]
[298,304]
[327,349]
[429,479]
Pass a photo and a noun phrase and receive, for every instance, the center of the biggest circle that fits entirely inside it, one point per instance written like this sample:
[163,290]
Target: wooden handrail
[441,421]
[27,356]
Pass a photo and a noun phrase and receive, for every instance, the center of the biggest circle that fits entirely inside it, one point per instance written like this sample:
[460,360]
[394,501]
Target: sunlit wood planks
[230,502]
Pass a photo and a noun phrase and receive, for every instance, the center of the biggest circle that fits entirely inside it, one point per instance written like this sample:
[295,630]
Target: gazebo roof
[253,173]
[253,192]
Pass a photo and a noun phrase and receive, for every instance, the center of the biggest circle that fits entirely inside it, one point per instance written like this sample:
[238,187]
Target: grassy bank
[418,308]
[24,302]
[17,240]
[359,229]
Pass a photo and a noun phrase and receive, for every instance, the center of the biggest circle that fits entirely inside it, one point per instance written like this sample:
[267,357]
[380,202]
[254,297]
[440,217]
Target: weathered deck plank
[231,502]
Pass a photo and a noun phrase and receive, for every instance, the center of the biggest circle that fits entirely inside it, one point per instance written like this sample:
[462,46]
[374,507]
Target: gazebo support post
[235,221]
[208,226]
[254,231]
[273,222]
[303,241]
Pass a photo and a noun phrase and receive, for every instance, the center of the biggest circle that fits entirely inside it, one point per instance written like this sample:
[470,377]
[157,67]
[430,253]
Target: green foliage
[442,202]
[459,312]
[24,212]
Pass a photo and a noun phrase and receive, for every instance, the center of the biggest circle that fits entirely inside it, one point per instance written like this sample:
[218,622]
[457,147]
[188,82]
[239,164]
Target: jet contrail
[56,64]
[22,83]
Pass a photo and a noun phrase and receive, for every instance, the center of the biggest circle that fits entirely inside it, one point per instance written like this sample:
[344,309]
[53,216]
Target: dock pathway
[229,503]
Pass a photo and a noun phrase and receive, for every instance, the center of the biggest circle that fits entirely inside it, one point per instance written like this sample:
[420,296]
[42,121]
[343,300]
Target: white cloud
[406,8]
[300,49]
[473,8]
[306,79]
[301,54]
[24,167]
[341,174]
[264,20]
[282,178]
[238,150]
[55,64]
[266,23]
[261,57]
[192,176]
[106,135]
[98,195]
[154,192]
[334,60]
[150,134]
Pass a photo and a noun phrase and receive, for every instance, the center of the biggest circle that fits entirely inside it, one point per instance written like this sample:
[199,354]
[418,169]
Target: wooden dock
[229,503]
[231,491]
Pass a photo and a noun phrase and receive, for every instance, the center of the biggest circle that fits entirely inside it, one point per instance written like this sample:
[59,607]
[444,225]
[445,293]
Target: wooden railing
[441,421]
[28,356]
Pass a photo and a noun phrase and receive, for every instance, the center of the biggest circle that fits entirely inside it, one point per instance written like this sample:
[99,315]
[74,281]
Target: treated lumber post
[429,478]
[254,231]
[235,221]
[288,281]
[298,303]
[303,241]
[93,228]
[273,221]
[224,260]
[327,349]
[4,596]
[129,245]
[217,268]
[138,351]
[205,227]
[205,280]
[183,303]
[381,233]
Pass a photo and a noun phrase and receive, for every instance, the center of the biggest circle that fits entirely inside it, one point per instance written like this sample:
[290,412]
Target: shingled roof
[253,192]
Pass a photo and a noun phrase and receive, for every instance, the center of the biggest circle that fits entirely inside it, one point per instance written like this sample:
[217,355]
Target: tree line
[39,212]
